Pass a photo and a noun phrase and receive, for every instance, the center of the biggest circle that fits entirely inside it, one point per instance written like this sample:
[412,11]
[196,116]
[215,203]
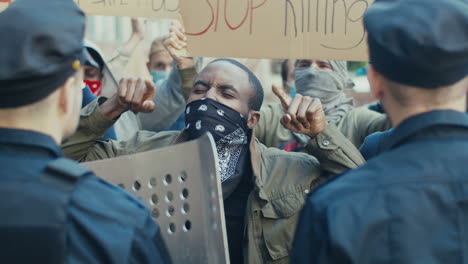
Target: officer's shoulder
[354,185]
[99,197]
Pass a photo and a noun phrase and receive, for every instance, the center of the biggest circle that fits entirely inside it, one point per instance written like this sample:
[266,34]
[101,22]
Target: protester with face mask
[170,98]
[101,81]
[326,81]
[160,61]
[263,188]
[88,95]
[174,77]
[100,77]
[160,65]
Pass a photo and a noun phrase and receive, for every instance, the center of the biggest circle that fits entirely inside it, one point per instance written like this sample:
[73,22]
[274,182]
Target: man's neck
[41,126]
[399,114]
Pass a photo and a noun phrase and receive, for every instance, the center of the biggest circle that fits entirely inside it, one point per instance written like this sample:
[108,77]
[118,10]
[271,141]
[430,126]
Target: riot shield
[182,188]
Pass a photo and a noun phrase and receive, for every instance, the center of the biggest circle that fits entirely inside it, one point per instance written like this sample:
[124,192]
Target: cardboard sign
[132,8]
[280,29]
[182,188]
[276,29]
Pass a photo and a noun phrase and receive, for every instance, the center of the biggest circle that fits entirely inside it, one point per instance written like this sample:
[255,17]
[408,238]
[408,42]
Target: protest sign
[301,29]
[275,29]
[132,8]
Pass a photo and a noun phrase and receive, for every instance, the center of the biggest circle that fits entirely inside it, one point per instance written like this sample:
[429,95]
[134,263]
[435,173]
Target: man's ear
[64,93]
[376,82]
[254,117]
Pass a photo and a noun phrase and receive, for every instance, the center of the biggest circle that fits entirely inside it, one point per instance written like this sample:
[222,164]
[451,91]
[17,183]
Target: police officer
[409,204]
[52,209]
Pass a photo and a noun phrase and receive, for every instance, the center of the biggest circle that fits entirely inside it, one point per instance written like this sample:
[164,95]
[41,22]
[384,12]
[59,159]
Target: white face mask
[324,85]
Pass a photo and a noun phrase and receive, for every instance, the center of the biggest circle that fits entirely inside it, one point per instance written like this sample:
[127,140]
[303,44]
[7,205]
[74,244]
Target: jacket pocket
[279,222]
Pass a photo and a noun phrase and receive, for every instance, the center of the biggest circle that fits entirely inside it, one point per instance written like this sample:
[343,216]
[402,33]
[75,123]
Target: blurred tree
[355,65]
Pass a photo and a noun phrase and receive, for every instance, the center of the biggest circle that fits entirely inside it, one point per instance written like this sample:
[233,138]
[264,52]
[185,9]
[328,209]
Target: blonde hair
[157,45]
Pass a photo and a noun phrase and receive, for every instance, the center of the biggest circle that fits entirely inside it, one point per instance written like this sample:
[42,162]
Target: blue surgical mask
[159,75]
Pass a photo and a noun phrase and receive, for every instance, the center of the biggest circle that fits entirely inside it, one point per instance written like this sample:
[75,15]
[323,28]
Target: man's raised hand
[303,114]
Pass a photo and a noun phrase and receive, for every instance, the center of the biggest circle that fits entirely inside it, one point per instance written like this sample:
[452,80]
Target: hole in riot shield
[187,226]
[169,197]
[170,211]
[136,186]
[168,179]
[152,182]
[185,208]
[184,194]
[154,199]
[172,228]
[183,176]
[155,213]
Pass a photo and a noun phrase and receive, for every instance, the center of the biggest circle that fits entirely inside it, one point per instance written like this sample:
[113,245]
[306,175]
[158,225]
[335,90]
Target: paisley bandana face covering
[230,132]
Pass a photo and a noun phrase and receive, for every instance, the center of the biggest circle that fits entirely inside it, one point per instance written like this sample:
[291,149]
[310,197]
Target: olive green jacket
[355,126]
[281,180]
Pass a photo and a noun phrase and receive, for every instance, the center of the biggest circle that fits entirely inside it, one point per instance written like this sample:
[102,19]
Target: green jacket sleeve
[269,130]
[170,100]
[361,122]
[335,153]
[187,76]
[85,144]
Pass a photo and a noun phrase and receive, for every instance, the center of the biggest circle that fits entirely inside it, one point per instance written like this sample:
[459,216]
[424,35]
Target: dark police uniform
[409,204]
[53,210]
[372,144]
[56,211]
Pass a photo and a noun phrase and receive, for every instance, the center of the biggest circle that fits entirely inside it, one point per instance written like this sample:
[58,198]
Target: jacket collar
[255,148]
[256,158]
[29,139]
[418,123]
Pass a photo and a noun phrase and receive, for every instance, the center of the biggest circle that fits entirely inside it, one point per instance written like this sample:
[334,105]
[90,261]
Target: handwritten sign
[279,29]
[132,8]
[325,29]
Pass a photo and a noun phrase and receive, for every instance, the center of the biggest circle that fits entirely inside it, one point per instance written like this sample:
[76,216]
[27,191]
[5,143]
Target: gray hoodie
[169,102]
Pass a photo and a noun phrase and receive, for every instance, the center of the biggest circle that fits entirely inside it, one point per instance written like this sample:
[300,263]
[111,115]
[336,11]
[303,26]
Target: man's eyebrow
[200,82]
[324,62]
[229,87]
